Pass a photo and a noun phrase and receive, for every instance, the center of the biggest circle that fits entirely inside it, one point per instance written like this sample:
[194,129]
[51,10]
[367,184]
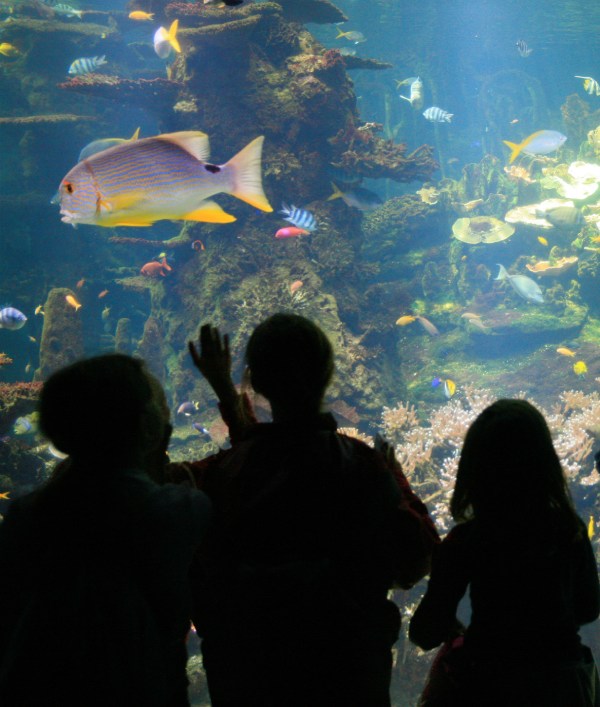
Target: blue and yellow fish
[164,177]
[542,142]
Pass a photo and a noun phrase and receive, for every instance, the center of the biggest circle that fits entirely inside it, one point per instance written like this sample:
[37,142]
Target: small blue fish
[301,218]
[86,65]
[438,115]
[524,286]
[11,318]
[436,381]
[188,408]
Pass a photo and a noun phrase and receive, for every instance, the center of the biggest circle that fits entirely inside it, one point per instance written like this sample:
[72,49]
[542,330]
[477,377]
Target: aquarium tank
[421,179]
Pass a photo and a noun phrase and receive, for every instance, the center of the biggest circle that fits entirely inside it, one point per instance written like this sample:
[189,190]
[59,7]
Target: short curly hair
[101,403]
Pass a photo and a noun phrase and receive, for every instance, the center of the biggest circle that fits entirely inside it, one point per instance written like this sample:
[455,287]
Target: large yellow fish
[165,177]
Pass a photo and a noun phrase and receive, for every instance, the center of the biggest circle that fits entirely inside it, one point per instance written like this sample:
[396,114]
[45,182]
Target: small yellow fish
[5,495]
[28,368]
[141,15]
[406,319]
[9,50]
[591,528]
[580,369]
[72,302]
[32,339]
[564,351]
[40,310]
[595,239]
[106,313]
[542,240]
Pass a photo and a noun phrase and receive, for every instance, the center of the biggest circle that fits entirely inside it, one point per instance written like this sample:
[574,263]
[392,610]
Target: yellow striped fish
[164,177]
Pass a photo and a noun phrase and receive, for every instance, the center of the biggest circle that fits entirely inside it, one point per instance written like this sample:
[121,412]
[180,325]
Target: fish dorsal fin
[192,141]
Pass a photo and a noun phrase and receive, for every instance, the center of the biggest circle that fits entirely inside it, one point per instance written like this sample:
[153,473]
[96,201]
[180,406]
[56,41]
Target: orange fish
[5,495]
[73,302]
[295,286]
[102,294]
[154,269]
[80,283]
[406,319]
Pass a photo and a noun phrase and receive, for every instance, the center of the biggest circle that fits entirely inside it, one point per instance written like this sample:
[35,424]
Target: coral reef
[47,119]
[360,151]
[429,450]
[152,348]
[124,336]
[154,94]
[579,118]
[62,334]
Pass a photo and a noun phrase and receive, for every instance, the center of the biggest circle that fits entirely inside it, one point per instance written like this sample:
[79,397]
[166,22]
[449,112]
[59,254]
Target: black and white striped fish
[438,115]
[522,48]
[65,10]
[301,218]
[86,65]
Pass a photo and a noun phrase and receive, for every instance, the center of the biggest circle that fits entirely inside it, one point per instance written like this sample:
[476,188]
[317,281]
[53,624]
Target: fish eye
[69,187]
[212,168]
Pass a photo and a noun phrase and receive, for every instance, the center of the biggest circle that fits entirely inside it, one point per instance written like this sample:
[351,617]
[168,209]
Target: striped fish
[438,115]
[66,10]
[11,318]
[299,217]
[164,177]
[590,85]
[86,65]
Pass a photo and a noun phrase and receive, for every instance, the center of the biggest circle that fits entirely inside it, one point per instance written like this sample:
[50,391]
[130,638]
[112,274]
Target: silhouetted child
[525,555]
[311,529]
[94,593]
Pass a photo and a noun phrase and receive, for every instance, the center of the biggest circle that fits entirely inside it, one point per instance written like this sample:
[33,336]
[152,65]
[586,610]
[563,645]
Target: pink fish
[291,232]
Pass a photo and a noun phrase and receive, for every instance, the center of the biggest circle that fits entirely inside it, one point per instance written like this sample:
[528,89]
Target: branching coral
[429,451]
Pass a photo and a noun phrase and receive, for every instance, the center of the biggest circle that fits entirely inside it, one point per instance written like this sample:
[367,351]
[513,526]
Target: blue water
[360,272]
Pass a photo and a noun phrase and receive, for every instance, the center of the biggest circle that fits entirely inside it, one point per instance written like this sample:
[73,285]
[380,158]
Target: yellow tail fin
[172,36]
[135,135]
[340,33]
[336,193]
[516,149]
[246,178]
